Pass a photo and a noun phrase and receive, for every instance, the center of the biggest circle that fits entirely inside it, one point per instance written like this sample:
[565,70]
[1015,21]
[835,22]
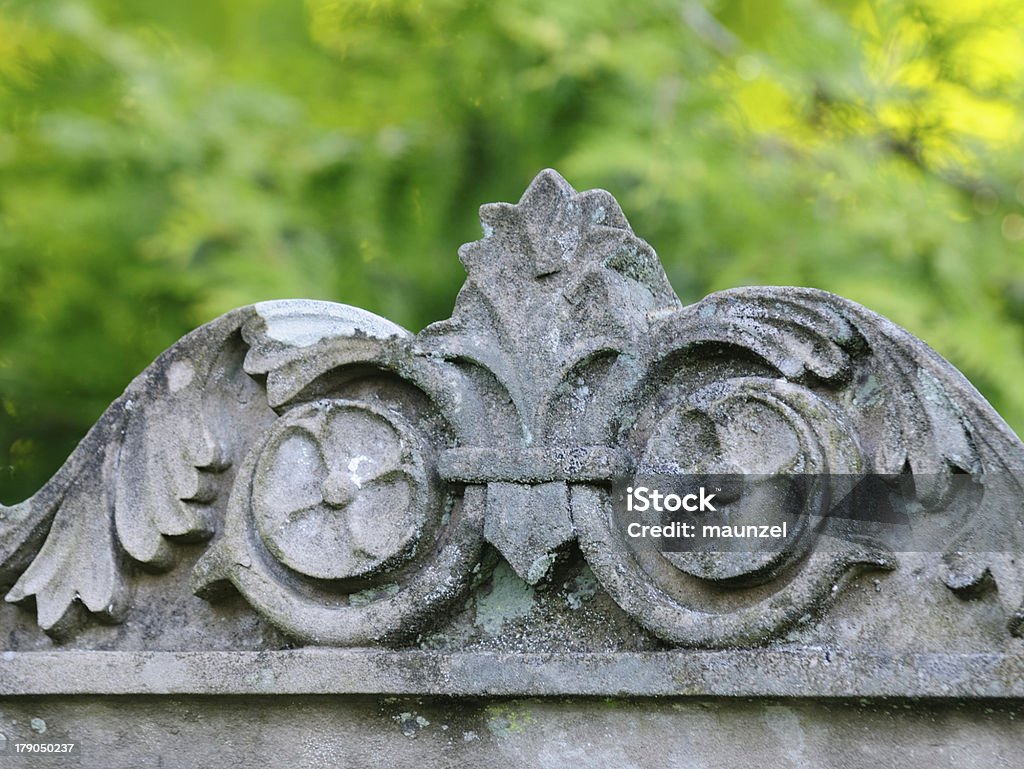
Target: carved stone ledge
[792,673]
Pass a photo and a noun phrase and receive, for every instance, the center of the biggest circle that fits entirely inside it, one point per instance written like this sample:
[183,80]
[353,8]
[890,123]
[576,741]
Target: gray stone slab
[305,535]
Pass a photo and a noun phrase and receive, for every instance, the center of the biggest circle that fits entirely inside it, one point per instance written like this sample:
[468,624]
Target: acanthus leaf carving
[125,493]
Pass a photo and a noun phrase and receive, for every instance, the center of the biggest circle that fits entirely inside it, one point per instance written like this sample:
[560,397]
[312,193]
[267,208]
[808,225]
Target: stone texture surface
[384,732]
[437,509]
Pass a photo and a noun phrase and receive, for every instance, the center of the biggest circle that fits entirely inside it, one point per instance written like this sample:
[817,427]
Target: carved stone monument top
[300,473]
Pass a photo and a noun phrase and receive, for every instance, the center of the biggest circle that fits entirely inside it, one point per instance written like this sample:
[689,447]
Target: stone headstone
[305,536]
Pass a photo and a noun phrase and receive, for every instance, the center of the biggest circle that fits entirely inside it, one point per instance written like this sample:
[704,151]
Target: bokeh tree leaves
[163,163]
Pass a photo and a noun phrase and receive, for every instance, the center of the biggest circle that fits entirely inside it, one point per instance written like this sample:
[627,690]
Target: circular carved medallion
[340,490]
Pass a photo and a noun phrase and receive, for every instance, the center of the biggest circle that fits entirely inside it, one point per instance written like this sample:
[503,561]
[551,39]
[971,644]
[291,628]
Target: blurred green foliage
[161,163]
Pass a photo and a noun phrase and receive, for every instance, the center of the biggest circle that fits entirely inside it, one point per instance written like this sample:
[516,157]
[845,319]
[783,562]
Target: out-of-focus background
[161,163]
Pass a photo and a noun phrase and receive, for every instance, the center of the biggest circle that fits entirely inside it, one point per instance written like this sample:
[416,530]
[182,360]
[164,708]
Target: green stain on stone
[509,598]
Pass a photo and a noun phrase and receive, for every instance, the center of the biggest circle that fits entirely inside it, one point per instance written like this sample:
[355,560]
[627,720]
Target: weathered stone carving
[347,475]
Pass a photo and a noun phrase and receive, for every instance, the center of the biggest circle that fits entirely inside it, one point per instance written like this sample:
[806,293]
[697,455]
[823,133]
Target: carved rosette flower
[340,491]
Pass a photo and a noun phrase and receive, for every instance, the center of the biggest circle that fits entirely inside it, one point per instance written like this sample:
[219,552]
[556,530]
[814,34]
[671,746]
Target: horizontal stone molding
[790,673]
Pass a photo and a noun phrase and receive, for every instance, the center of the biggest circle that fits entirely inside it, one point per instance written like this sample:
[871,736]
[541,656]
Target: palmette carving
[127,493]
[349,474]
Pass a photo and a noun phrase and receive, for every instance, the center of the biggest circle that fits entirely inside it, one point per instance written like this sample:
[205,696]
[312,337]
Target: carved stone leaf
[147,472]
[889,378]
[558,271]
[801,332]
[164,488]
[79,565]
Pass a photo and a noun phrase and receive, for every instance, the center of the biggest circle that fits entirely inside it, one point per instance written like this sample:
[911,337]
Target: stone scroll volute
[353,482]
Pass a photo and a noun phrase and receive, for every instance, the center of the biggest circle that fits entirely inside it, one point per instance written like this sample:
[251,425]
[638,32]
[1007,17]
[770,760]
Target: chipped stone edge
[808,673]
